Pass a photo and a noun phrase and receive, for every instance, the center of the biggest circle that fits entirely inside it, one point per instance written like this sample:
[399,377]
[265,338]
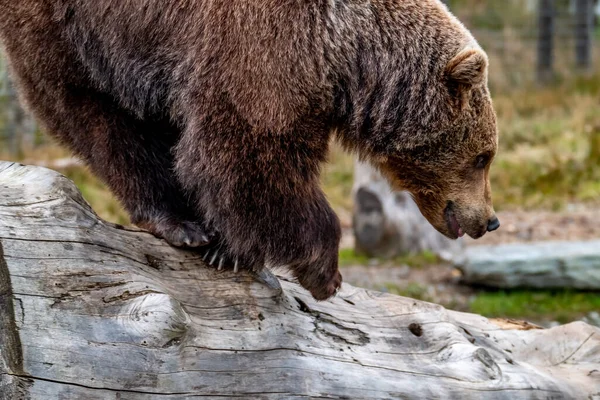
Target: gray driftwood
[89,310]
[534,265]
[388,223]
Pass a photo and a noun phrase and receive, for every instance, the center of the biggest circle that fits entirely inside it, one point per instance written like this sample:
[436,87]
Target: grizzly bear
[210,119]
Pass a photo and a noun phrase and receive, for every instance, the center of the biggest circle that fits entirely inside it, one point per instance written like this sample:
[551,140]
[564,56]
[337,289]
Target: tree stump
[91,310]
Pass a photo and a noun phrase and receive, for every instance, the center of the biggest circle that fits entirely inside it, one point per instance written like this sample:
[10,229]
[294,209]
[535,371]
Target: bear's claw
[214,257]
[269,279]
[212,254]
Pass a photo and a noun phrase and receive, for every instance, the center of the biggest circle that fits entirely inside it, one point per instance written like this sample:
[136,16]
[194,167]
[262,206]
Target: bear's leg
[134,158]
[261,192]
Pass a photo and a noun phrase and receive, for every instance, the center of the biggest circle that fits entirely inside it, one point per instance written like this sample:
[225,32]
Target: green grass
[562,306]
[418,260]
[414,290]
[549,148]
[348,257]
[540,306]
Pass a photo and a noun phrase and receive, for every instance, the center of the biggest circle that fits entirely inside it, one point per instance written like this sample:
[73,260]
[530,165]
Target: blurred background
[545,82]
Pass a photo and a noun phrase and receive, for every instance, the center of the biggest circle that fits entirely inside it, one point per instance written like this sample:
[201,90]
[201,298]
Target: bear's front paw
[178,233]
[219,256]
[323,280]
[328,288]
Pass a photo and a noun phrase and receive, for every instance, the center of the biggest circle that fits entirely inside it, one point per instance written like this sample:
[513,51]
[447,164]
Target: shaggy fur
[210,119]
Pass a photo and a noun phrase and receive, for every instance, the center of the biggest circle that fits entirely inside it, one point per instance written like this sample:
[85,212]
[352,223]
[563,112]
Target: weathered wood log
[533,265]
[388,223]
[90,310]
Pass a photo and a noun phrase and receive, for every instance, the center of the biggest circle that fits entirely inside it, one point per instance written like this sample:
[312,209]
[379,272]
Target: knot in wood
[155,320]
[491,367]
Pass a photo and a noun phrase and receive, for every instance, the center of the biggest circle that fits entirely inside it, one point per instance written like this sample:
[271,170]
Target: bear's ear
[468,68]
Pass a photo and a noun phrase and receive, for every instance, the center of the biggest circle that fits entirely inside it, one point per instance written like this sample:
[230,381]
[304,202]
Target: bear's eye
[482,161]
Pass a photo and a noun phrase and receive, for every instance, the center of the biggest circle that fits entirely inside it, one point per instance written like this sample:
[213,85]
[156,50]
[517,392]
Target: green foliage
[414,290]
[418,260]
[562,306]
[549,147]
[349,257]
[540,306]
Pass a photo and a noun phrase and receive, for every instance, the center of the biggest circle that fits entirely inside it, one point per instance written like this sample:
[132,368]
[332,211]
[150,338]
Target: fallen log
[574,265]
[91,310]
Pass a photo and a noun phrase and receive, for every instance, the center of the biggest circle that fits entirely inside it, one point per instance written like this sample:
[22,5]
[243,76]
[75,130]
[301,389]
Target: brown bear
[210,119]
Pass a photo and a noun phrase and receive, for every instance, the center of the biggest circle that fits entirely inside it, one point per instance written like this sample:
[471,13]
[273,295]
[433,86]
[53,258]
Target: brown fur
[210,119]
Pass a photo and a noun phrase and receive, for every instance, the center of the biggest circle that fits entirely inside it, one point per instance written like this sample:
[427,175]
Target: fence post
[546,15]
[584,17]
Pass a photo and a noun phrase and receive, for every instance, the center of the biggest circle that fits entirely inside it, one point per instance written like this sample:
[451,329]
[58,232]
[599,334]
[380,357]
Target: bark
[90,310]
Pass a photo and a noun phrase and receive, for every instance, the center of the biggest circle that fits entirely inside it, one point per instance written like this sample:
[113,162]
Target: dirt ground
[533,226]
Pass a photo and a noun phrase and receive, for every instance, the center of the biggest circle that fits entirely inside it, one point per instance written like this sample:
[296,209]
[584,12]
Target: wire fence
[534,41]
[520,37]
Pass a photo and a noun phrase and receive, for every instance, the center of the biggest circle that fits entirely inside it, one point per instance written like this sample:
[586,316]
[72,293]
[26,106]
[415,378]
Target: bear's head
[444,146]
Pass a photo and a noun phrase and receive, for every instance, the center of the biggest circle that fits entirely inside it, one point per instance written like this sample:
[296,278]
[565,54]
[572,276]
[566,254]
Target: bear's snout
[493,224]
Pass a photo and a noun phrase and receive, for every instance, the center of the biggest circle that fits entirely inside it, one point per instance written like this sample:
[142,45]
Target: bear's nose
[493,224]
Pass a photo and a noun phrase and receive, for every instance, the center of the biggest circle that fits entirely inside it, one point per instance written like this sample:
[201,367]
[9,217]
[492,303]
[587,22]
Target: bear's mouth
[452,222]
